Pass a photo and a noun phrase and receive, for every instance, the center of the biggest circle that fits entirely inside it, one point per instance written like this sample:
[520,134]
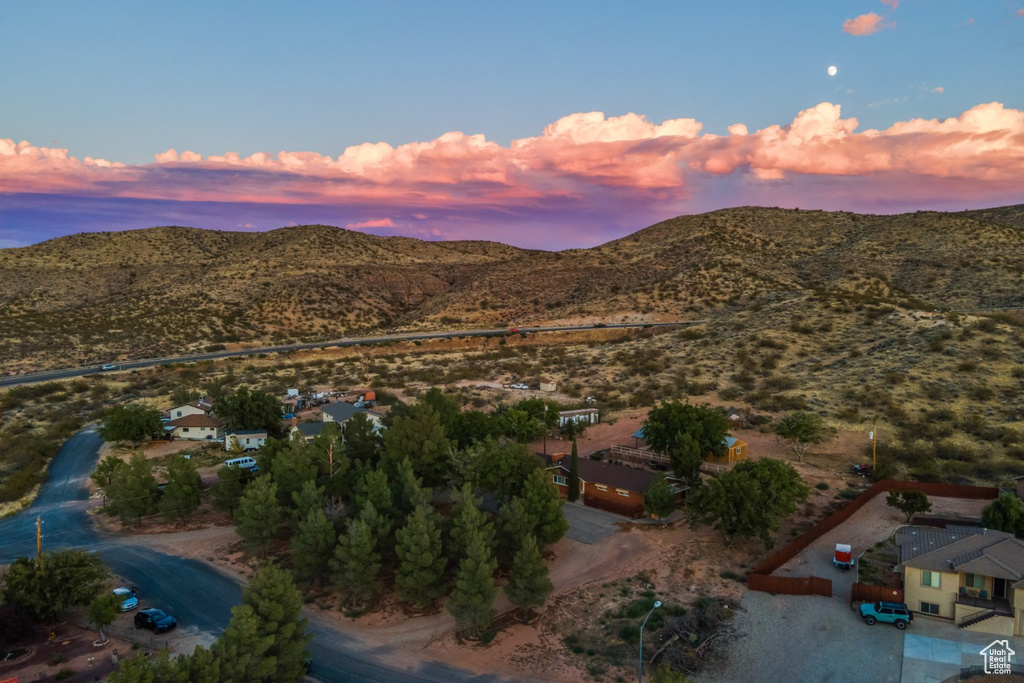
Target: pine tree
[357,564]
[277,603]
[258,515]
[515,523]
[374,487]
[133,492]
[243,650]
[466,516]
[202,666]
[528,582]
[421,562]
[544,504]
[226,492]
[310,497]
[293,468]
[312,546]
[361,442]
[182,494]
[106,473]
[574,473]
[407,489]
[382,528]
[472,600]
[420,438]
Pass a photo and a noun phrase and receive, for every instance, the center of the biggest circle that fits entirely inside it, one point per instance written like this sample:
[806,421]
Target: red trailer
[844,556]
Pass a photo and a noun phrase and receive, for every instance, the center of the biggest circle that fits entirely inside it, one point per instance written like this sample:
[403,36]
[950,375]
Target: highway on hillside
[197,594]
[66,373]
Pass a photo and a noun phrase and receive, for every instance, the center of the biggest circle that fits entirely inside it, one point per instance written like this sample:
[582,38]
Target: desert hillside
[98,296]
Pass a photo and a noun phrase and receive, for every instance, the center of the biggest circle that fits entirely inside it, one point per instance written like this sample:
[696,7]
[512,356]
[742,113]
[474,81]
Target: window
[929,608]
[601,487]
[179,413]
[184,429]
[974,580]
[624,494]
[560,480]
[931,579]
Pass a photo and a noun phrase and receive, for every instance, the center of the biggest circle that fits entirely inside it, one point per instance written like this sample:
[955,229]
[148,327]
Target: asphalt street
[66,373]
[197,594]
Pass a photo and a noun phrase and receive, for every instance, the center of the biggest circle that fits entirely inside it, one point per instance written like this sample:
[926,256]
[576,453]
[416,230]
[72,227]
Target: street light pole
[640,657]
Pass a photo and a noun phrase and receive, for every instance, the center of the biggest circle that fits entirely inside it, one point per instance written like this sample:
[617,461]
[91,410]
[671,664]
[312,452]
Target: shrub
[821,486]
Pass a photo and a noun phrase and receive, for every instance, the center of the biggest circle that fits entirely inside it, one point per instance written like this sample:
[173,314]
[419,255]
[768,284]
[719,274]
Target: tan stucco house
[197,407]
[970,575]
[196,428]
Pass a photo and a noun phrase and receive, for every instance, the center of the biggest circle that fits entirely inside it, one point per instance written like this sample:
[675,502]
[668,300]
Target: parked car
[891,612]
[862,470]
[156,620]
[600,325]
[519,386]
[513,329]
[129,600]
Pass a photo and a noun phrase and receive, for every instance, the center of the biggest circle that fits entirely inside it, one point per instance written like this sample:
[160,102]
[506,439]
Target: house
[971,575]
[200,406]
[342,412]
[735,451]
[308,430]
[604,485]
[547,385]
[1019,481]
[589,416]
[248,439]
[196,427]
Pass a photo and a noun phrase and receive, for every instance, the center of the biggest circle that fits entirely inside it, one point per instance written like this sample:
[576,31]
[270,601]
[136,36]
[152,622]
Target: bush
[848,494]
[630,633]
[821,486]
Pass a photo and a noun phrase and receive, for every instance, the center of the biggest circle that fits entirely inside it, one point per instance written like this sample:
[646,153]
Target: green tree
[277,603]
[361,441]
[243,650]
[705,425]
[421,562]
[235,447]
[106,473]
[528,582]
[544,505]
[501,468]
[258,515]
[202,666]
[407,489]
[357,563]
[446,407]
[519,425]
[659,499]
[472,600]
[293,468]
[382,527]
[801,430]
[226,492]
[45,587]
[183,492]
[684,454]
[467,518]
[310,497]
[749,500]
[515,523]
[245,409]
[375,487]
[1005,513]
[312,546]
[130,423]
[470,427]
[574,473]
[137,669]
[420,437]
[103,610]
[909,503]
[133,493]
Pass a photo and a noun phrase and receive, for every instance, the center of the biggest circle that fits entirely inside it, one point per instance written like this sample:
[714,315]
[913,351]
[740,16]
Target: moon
[832,71]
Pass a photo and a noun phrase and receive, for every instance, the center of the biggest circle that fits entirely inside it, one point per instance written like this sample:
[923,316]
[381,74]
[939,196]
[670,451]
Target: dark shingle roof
[342,412]
[617,476]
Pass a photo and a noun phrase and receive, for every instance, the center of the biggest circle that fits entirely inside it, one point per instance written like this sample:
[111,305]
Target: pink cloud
[584,165]
[891,3]
[938,89]
[866,24]
[1020,12]
[376,223]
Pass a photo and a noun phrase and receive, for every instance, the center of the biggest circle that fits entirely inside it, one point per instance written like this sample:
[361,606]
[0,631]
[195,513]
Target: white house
[248,439]
[194,427]
[590,416]
[198,407]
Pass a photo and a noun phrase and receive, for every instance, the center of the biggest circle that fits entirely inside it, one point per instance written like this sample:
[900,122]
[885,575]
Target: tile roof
[196,421]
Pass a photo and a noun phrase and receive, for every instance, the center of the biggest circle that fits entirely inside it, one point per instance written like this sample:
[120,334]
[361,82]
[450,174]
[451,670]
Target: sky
[545,125]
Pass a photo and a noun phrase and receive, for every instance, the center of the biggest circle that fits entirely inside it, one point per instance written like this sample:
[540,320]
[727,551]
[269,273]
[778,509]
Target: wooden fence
[781,557]
[637,455]
[791,585]
[861,592]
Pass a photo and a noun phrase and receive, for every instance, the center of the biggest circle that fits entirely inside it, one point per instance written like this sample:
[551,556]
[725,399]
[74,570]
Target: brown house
[735,451]
[615,488]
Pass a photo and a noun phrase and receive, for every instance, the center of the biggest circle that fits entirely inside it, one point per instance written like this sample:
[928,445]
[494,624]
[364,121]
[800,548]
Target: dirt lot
[71,649]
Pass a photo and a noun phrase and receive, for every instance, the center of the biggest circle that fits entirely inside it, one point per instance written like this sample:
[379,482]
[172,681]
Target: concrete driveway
[590,525]
[936,649]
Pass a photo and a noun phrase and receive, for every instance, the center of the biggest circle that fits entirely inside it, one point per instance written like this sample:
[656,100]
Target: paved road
[66,373]
[199,595]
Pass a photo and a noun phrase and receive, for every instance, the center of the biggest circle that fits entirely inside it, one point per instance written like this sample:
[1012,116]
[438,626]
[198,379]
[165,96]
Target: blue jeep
[891,612]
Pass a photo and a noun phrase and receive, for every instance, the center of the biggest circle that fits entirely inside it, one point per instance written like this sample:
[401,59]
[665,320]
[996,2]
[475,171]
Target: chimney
[295,420]
[556,458]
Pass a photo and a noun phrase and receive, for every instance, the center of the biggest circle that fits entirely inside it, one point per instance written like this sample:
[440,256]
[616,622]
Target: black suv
[155,620]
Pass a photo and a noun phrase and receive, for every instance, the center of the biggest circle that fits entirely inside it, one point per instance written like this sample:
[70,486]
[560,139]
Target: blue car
[155,620]
[129,601]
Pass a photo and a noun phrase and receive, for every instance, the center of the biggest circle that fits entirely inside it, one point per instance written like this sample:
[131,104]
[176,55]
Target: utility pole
[39,537]
[545,428]
[874,447]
